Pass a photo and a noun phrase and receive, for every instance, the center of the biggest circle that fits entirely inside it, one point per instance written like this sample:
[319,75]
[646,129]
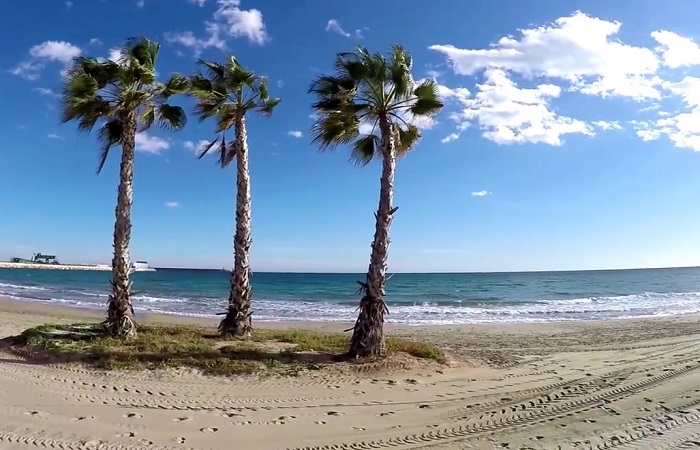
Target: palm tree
[228,92]
[125,98]
[377,92]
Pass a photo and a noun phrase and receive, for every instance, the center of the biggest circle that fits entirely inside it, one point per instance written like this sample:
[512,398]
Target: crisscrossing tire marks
[527,417]
[18,441]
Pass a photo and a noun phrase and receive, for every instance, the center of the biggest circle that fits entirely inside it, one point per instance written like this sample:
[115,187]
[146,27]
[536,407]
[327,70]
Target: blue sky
[569,139]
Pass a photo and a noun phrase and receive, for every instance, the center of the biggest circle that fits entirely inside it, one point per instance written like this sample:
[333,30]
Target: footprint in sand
[32,413]
[209,430]
[335,413]
[81,418]
[130,434]
[359,428]
[234,414]
[320,422]
[180,440]
[132,416]
[182,419]
[425,406]
[388,413]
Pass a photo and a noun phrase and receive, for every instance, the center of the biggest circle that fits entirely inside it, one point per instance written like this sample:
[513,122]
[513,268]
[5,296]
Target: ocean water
[412,298]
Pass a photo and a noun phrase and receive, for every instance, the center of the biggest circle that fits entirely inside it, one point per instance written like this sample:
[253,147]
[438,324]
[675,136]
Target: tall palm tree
[124,98]
[227,92]
[377,92]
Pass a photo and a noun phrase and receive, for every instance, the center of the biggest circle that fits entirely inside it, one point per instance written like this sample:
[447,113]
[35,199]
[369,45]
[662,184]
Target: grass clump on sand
[286,352]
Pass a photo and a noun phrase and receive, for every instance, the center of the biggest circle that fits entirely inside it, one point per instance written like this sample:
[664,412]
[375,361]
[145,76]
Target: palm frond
[147,118]
[331,130]
[109,135]
[229,154]
[406,138]
[142,50]
[214,70]
[364,150]
[329,86]
[400,71]
[204,150]
[267,106]
[226,117]
[171,117]
[176,84]
[427,100]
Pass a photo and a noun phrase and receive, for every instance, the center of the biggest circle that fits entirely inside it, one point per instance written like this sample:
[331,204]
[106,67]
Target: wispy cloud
[480,193]
[49,51]
[151,144]
[295,134]
[45,91]
[172,204]
[197,147]
[450,137]
[53,136]
[229,20]
[334,27]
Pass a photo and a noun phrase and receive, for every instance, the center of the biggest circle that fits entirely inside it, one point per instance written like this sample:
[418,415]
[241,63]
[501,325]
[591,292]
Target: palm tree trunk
[120,313]
[237,322]
[368,335]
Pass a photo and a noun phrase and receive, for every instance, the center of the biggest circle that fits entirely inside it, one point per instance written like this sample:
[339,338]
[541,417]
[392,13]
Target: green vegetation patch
[285,352]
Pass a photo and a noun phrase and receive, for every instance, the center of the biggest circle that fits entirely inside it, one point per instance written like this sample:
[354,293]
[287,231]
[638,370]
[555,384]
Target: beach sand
[622,384]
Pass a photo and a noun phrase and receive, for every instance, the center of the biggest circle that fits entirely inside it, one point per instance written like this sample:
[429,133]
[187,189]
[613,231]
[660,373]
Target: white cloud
[480,193]
[295,134]
[115,54]
[360,32]
[450,137]
[676,50]
[59,51]
[45,91]
[95,41]
[49,51]
[508,114]
[188,39]
[688,89]
[53,136]
[151,144]
[682,129]
[172,204]
[636,87]
[68,5]
[578,49]
[199,3]
[197,147]
[228,20]
[280,83]
[334,27]
[241,23]
[606,126]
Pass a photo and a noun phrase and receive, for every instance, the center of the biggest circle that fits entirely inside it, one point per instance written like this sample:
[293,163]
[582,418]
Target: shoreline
[65,311]
[39,266]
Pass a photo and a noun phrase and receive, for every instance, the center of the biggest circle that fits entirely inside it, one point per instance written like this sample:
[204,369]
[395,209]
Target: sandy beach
[622,384]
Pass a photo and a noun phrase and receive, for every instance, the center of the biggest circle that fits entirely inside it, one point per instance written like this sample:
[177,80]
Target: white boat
[141,266]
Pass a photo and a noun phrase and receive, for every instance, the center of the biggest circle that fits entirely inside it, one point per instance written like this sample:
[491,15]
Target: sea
[414,299]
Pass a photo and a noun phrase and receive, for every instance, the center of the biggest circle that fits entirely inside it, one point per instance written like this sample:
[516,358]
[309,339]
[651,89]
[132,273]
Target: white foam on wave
[19,287]
[649,304]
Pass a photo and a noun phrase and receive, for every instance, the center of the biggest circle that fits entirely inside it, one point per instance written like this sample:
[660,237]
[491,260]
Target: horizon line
[444,272]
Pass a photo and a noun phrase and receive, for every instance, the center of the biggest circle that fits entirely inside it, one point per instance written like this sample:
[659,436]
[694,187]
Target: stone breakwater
[9,265]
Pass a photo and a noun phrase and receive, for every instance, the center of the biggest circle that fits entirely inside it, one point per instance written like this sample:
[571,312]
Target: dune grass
[286,352]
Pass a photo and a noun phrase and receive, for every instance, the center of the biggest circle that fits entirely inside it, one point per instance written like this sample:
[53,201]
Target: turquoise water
[413,298]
